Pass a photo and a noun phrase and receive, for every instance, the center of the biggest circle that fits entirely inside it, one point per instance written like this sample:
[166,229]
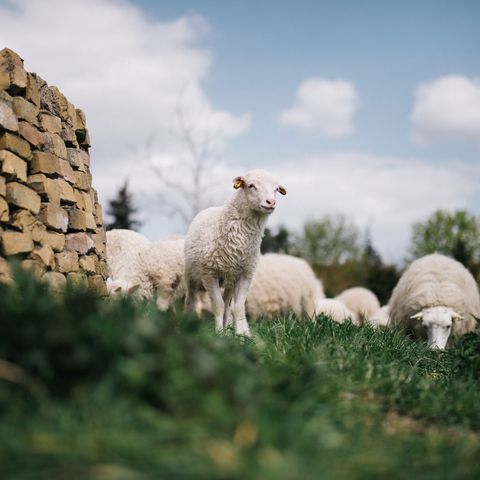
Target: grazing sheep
[361,301]
[222,247]
[123,247]
[380,318]
[283,284]
[436,296]
[334,309]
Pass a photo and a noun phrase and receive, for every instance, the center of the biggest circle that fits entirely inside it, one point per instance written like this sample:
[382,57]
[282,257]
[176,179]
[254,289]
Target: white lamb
[222,247]
[283,284]
[380,318]
[123,247]
[334,309]
[436,296]
[361,301]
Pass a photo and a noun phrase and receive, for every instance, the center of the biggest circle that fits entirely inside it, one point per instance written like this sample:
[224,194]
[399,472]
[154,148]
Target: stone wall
[50,218]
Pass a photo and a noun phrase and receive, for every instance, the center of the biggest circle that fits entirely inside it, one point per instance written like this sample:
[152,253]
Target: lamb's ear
[417,316]
[282,190]
[133,288]
[456,316]
[238,182]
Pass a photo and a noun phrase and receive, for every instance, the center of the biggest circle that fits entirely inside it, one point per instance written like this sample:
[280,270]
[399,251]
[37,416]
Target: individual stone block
[31,93]
[99,239]
[77,220]
[90,222]
[68,136]
[24,221]
[13,76]
[24,110]
[66,191]
[8,120]
[31,134]
[54,217]
[60,103]
[79,242]
[45,255]
[101,267]
[79,199]
[55,279]
[12,166]
[54,144]
[83,180]
[87,200]
[56,241]
[14,243]
[23,197]
[87,263]
[4,210]
[34,266]
[49,123]
[77,280]
[66,172]
[3,188]
[67,262]
[43,162]
[47,188]
[98,214]
[15,144]
[96,283]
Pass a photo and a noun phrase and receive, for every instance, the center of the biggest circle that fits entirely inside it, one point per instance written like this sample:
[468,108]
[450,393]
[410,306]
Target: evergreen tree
[122,211]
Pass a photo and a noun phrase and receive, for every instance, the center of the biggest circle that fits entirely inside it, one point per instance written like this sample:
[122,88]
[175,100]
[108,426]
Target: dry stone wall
[50,217]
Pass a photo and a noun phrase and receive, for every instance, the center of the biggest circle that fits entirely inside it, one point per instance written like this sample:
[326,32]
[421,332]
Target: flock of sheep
[218,268]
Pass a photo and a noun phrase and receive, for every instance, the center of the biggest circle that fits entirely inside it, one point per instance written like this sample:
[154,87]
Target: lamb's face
[260,190]
[437,322]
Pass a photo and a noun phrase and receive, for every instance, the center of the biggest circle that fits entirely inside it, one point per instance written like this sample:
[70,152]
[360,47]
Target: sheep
[283,284]
[380,318]
[362,302]
[334,309]
[435,297]
[123,247]
[222,247]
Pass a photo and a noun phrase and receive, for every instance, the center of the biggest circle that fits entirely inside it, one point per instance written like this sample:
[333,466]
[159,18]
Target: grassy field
[95,389]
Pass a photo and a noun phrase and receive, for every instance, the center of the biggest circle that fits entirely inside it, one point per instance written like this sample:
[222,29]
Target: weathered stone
[54,217]
[79,199]
[79,242]
[54,144]
[24,221]
[31,93]
[81,120]
[49,123]
[8,120]
[12,166]
[43,162]
[101,267]
[3,188]
[55,279]
[87,263]
[34,266]
[14,243]
[98,214]
[67,262]
[84,139]
[68,136]
[79,159]
[45,255]
[24,110]
[60,103]
[90,222]
[5,271]
[54,240]
[23,197]
[77,280]
[66,171]
[99,239]
[4,210]
[66,191]
[13,76]
[96,283]
[77,220]
[83,180]
[31,134]
[15,144]
[87,200]
[71,120]
[47,188]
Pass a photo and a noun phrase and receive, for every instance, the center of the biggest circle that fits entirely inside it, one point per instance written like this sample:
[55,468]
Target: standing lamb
[362,302]
[222,247]
[436,296]
[283,284]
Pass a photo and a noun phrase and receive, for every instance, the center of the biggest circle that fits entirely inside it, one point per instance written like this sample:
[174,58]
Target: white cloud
[325,106]
[447,107]
[128,72]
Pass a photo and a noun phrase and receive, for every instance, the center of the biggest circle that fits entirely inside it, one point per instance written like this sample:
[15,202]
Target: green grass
[116,390]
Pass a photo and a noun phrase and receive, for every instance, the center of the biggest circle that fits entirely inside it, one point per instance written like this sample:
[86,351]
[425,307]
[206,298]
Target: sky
[366,108]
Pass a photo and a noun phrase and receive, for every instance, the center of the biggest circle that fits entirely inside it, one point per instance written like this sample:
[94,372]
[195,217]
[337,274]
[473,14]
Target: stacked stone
[50,218]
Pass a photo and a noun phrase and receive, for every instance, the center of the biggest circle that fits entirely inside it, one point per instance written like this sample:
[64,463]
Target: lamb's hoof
[243,330]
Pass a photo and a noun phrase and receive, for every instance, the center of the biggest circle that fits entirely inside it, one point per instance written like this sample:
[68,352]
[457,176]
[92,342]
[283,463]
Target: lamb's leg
[240,297]
[212,286]
[227,298]
[191,295]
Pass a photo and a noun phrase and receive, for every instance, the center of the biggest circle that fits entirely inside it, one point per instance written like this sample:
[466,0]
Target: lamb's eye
[251,186]
[448,327]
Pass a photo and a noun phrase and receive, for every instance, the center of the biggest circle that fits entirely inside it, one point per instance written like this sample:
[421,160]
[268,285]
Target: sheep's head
[260,189]
[116,287]
[438,323]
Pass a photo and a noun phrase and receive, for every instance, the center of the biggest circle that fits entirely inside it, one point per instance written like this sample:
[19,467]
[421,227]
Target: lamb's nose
[271,202]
